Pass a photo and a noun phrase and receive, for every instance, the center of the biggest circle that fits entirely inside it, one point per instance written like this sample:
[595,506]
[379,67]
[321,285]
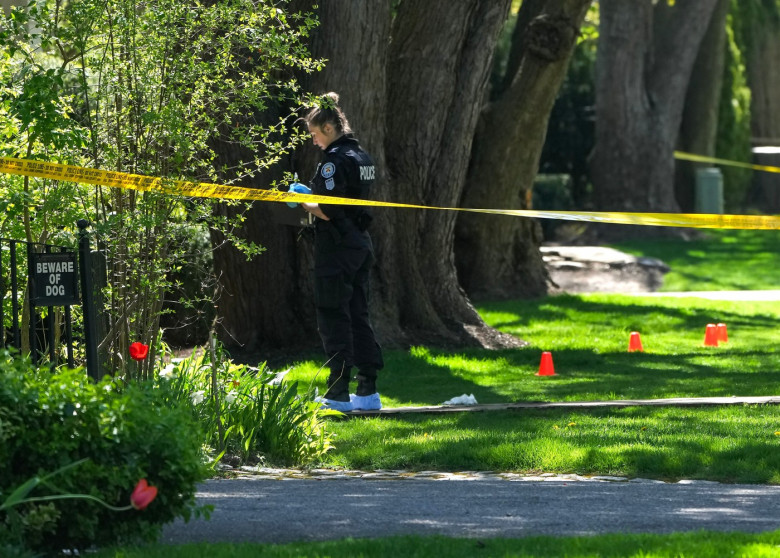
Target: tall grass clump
[248,414]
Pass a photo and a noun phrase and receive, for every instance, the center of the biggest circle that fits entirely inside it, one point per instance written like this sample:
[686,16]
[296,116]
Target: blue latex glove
[298,188]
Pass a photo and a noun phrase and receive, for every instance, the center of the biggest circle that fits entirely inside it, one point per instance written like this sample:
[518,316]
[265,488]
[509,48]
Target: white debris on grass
[462,400]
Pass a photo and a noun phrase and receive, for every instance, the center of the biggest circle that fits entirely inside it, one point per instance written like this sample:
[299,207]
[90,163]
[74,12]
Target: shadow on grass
[732,445]
[623,314]
[746,462]
[720,260]
[581,375]
[589,337]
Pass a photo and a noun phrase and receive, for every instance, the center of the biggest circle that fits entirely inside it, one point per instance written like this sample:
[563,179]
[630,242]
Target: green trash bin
[709,190]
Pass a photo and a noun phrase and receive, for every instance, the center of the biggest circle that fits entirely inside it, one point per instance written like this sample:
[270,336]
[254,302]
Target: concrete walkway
[265,505]
[670,402]
[751,296]
[265,510]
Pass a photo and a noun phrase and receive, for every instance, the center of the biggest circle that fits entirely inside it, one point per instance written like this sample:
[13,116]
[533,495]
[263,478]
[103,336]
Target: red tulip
[138,351]
[143,494]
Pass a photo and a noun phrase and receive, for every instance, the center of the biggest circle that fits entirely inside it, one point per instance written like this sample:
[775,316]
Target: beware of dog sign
[54,279]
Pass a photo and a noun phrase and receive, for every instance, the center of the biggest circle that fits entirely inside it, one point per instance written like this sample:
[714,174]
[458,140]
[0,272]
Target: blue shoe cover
[365,402]
[343,406]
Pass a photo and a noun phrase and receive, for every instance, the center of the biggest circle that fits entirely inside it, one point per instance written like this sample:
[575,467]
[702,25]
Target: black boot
[338,385]
[366,383]
[366,398]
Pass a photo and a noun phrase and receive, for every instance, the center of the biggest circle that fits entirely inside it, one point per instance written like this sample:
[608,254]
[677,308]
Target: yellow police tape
[703,159]
[71,173]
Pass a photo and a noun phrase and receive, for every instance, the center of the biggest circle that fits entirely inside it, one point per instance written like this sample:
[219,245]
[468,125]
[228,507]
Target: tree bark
[263,303]
[645,58]
[699,128]
[438,69]
[764,80]
[499,257]
[412,86]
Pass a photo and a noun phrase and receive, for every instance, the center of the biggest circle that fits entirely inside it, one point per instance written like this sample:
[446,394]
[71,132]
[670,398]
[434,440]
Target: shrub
[188,309]
[125,433]
[248,413]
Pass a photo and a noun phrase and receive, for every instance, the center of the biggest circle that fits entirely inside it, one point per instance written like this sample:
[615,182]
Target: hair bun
[332,96]
[326,111]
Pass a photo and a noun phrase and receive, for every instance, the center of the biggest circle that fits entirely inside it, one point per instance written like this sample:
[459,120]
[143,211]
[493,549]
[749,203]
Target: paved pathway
[267,505]
[753,296]
[265,509]
[669,402]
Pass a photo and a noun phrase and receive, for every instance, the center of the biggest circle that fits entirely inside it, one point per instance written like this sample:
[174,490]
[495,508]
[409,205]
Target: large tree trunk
[438,68]
[413,94]
[764,79]
[263,303]
[645,58]
[499,257]
[699,128]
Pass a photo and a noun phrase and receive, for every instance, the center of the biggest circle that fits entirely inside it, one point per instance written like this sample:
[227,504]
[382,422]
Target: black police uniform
[343,255]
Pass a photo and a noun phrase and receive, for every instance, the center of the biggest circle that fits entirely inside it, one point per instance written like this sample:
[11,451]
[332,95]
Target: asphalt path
[263,510]
[754,296]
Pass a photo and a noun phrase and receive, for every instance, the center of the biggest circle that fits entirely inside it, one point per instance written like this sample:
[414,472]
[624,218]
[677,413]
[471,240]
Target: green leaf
[18,495]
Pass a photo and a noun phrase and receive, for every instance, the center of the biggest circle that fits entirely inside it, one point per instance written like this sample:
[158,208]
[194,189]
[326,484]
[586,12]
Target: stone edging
[269,473]
[670,402]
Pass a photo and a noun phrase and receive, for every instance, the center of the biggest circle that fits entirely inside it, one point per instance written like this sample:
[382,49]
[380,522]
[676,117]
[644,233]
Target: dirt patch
[489,338]
[587,269]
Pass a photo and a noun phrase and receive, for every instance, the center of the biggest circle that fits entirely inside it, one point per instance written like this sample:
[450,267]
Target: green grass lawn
[728,444]
[588,337]
[679,545]
[718,260]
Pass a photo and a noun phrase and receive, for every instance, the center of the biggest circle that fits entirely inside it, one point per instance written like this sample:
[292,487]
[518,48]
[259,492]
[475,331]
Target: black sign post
[57,276]
[89,309]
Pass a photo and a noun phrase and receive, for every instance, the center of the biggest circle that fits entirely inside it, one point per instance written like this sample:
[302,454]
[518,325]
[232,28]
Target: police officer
[343,255]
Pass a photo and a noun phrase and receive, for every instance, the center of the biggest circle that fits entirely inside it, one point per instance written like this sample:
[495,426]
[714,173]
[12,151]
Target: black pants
[343,257]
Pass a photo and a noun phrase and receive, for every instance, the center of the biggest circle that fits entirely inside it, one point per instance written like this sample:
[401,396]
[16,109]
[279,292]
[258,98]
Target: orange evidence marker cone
[546,365]
[711,336]
[723,334]
[634,342]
